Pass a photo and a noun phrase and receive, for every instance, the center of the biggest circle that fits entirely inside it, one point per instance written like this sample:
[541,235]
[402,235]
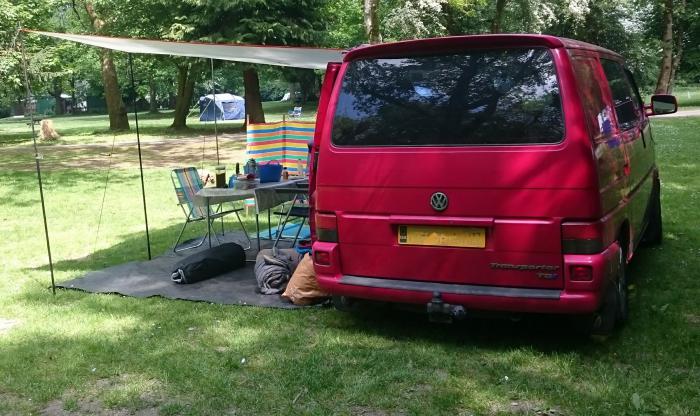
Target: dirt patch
[161,154]
[90,407]
[92,402]
[12,404]
[693,319]
[525,407]
[368,411]
[7,324]
[684,113]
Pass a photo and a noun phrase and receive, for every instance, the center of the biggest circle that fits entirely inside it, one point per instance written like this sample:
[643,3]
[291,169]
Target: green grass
[84,129]
[687,96]
[89,353]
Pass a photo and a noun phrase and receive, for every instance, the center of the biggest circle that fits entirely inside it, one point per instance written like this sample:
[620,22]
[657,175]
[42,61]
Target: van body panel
[640,148]
[326,91]
[460,43]
[576,298]
[518,195]
[526,189]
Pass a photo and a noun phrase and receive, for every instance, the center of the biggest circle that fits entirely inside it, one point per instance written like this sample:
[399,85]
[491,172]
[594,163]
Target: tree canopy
[659,38]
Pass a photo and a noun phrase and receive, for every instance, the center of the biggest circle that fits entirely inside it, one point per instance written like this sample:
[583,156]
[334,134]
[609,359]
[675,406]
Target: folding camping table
[265,196]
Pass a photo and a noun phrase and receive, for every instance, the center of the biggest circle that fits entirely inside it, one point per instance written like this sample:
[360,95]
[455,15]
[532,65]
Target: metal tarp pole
[213,94]
[138,144]
[37,157]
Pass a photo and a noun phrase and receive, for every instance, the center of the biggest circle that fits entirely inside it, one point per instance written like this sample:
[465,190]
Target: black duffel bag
[209,263]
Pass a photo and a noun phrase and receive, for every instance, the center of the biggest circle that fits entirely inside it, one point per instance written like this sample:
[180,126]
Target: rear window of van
[494,97]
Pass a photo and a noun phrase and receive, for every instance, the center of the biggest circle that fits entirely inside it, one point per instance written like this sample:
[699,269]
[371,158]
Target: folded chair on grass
[187,183]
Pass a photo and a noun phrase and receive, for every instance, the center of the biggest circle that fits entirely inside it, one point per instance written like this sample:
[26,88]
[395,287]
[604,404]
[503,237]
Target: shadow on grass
[362,358]
[195,350]
[133,247]
[81,180]
[542,333]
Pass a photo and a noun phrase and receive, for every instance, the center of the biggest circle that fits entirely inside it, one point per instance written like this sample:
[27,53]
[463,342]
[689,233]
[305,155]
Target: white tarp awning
[299,57]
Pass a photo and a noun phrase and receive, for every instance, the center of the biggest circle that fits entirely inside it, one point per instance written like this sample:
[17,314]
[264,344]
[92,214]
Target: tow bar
[439,311]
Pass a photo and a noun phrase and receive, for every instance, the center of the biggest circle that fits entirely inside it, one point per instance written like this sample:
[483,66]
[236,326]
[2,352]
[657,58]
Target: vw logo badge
[438,201]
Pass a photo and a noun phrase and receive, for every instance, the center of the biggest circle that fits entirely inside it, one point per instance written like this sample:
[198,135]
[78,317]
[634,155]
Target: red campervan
[499,172]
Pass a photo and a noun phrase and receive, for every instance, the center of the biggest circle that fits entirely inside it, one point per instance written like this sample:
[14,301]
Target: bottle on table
[220,176]
[300,168]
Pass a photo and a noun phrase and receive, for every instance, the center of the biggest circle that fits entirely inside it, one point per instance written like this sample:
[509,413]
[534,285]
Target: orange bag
[303,288]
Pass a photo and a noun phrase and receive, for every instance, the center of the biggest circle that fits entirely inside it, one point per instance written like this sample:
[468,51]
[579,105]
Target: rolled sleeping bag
[273,268]
[209,263]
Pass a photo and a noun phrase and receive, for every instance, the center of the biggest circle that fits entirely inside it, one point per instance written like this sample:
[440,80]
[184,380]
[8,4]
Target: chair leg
[250,243]
[269,227]
[279,219]
[296,236]
[179,236]
[201,241]
[284,225]
[216,237]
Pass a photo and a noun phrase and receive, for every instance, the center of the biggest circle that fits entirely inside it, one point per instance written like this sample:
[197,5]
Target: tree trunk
[118,119]
[185,89]
[678,35]
[676,63]
[56,94]
[307,81]
[371,20]
[153,102]
[498,17]
[253,103]
[74,99]
[664,80]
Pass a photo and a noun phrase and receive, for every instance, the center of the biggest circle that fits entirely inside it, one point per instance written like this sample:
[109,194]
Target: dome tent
[223,107]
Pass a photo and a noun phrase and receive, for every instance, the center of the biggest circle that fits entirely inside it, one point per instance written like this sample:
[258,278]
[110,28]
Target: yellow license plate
[426,235]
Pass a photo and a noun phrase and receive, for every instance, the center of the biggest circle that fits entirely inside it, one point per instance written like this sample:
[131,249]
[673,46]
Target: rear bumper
[575,298]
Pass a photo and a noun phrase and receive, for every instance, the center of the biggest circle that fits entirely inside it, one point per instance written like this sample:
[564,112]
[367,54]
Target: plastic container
[251,168]
[270,172]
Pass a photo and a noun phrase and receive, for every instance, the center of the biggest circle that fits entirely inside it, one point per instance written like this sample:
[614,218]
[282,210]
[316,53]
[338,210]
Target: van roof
[454,43]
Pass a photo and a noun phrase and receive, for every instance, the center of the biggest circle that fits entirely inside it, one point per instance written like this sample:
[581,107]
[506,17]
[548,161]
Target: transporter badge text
[544,271]
[524,267]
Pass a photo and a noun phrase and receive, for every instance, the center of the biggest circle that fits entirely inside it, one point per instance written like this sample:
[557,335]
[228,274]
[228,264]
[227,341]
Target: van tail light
[581,273]
[326,227]
[582,237]
[322,258]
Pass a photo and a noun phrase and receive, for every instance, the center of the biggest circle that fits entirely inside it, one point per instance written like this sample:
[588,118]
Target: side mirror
[662,104]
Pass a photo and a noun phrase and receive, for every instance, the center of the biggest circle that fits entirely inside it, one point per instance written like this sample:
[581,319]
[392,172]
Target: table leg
[208,222]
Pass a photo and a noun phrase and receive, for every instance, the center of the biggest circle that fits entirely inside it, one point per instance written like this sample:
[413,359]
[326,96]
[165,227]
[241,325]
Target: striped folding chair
[187,183]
